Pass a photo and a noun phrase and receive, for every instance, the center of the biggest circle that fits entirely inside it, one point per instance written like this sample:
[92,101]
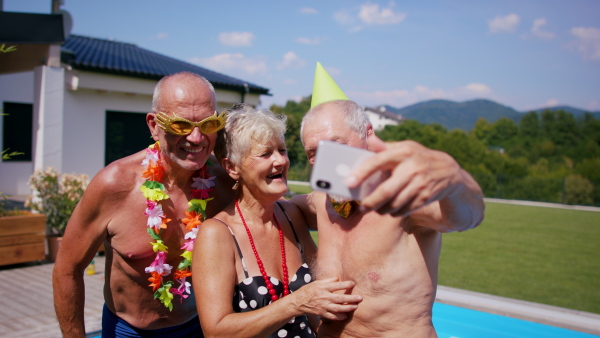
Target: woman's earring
[235,186]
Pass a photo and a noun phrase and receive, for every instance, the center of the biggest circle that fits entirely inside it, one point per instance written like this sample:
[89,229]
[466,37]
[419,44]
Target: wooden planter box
[22,238]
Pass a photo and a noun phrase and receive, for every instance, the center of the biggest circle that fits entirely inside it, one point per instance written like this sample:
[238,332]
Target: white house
[80,105]
[380,117]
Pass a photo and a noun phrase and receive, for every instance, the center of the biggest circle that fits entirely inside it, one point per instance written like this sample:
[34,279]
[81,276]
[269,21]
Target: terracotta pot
[53,245]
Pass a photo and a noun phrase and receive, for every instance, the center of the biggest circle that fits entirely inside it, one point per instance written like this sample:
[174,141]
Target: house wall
[85,126]
[379,122]
[16,87]
[87,97]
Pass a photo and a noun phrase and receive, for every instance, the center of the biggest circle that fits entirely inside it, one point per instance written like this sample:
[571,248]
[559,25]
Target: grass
[299,189]
[543,255]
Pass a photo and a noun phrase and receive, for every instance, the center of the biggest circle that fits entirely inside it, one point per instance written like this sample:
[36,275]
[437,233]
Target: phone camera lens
[323,184]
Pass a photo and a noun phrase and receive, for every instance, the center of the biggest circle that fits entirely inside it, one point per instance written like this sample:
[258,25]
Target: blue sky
[525,54]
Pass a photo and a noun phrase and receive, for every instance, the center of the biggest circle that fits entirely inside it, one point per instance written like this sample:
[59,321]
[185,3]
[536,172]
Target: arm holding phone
[403,178]
[426,184]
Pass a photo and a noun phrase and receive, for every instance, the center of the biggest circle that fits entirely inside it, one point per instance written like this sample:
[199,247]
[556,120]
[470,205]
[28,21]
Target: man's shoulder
[309,204]
[310,199]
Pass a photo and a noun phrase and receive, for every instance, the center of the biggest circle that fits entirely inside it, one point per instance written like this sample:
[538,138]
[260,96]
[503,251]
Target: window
[126,134]
[17,130]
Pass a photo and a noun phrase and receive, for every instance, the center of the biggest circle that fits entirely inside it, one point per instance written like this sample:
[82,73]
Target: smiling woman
[270,286]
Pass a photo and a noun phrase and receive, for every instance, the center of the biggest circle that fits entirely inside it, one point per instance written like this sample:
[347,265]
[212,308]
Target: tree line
[549,156]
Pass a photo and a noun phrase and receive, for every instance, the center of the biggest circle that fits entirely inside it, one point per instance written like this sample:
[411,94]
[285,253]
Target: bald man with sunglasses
[112,211]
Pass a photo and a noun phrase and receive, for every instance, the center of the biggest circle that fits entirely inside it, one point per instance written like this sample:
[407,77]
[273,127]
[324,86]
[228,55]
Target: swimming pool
[457,322]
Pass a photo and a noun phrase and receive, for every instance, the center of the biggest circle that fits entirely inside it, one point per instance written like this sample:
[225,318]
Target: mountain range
[463,115]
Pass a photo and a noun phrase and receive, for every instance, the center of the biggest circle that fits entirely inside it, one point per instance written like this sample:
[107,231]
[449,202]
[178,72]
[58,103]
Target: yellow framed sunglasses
[180,126]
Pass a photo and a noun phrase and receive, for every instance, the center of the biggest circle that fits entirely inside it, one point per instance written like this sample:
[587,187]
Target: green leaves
[4,49]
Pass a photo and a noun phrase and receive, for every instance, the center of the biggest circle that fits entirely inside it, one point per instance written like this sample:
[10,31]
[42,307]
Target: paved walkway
[27,304]
[27,310]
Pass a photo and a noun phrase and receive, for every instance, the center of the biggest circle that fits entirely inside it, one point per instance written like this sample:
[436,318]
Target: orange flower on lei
[154,191]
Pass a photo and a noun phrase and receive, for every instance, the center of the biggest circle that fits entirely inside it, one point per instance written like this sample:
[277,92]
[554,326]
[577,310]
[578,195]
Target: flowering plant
[55,195]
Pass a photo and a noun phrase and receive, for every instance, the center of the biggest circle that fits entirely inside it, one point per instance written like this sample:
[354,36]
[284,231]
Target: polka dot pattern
[252,294]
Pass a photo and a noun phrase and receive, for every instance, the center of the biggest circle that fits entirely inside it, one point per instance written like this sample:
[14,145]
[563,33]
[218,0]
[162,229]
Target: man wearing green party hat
[390,243]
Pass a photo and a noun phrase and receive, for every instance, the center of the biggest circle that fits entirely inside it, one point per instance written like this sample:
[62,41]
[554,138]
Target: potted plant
[55,195]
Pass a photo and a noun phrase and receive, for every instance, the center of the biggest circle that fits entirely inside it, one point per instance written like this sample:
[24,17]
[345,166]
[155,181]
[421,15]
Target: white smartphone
[333,162]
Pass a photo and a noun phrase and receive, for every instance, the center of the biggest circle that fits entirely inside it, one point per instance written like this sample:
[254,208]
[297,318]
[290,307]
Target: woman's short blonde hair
[245,128]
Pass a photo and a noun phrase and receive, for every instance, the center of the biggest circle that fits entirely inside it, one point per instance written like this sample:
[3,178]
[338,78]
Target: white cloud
[552,103]
[403,97]
[355,29]
[537,30]
[344,18]
[370,14]
[309,41]
[478,88]
[397,97]
[291,60]
[594,106]
[232,62]
[308,10]
[161,36]
[587,42]
[500,24]
[333,71]
[236,38]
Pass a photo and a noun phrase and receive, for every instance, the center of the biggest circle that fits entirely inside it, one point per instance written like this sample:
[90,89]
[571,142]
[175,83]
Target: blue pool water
[457,322]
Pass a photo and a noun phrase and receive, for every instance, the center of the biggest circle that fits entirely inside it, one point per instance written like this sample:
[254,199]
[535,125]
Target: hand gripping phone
[333,162]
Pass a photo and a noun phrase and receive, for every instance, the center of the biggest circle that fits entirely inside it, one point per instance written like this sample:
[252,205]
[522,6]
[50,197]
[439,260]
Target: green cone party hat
[324,88]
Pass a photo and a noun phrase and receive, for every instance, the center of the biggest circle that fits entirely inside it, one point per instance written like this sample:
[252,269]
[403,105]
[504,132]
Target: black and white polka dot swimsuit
[252,294]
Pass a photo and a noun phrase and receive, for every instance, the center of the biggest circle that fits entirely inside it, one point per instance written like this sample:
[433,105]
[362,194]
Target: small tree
[578,190]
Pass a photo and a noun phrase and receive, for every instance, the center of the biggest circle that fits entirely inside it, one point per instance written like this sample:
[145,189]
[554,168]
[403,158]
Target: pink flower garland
[154,192]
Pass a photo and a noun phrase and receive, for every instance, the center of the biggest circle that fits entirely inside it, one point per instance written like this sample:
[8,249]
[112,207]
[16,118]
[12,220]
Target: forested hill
[463,115]
[577,113]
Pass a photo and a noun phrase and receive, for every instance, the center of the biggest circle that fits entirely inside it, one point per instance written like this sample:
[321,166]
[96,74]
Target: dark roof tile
[121,58]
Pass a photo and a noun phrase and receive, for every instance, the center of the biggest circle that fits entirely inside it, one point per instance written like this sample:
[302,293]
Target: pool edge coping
[540,313]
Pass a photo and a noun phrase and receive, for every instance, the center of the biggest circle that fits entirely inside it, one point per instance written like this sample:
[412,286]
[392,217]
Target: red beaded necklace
[286,282]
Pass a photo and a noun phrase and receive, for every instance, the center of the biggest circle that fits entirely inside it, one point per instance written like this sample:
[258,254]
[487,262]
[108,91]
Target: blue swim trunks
[115,327]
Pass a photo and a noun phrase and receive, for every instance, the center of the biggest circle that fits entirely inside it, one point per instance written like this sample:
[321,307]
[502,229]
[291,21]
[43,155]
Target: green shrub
[55,195]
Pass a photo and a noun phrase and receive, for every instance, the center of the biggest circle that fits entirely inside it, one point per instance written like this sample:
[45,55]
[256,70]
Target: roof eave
[150,76]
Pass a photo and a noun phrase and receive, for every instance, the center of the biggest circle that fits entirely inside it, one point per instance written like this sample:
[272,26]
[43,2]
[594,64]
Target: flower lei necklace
[154,192]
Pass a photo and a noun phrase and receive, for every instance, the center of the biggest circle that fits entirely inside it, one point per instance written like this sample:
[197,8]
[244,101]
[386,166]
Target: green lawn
[544,255]
[299,189]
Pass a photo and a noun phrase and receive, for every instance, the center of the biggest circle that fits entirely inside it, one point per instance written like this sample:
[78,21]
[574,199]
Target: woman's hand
[318,298]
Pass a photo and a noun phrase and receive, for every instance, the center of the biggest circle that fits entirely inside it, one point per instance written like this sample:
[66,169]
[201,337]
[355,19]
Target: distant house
[380,118]
[80,105]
